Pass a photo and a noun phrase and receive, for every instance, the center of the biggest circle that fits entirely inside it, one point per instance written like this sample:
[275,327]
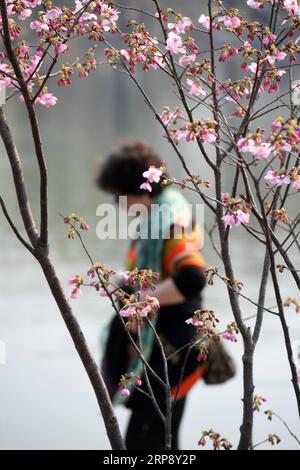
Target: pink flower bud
[125,392]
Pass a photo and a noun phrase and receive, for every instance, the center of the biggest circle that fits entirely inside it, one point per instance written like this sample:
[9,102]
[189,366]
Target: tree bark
[96,379]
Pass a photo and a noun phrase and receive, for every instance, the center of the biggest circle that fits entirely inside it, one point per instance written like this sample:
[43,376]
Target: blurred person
[180,263]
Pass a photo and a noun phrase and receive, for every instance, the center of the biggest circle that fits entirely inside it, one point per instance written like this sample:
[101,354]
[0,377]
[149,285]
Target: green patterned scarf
[171,208]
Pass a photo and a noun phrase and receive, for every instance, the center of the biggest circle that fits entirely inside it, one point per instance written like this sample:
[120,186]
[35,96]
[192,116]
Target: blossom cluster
[231,332]
[127,380]
[54,26]
[205,322]
[152,175]
[73,220]
[257,402]
[237,211]
[292,301]
[217,440]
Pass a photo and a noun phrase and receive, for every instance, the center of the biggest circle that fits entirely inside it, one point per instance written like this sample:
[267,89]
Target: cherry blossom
[52,14]
[230,336]
[292,6]
[169,116]
[175,44]
[185,60]
[153,174]
[195,322]
[182,26]
[237,211]
[76,282]
[277,178]
[47,99]
[258,149]
[125,392]
[230,21]
[281,215]
[128,312]
[204,21]
[217,440]
[203,131]
[60,48]
[254,4]
[39,26]
[240,217]
[195,88]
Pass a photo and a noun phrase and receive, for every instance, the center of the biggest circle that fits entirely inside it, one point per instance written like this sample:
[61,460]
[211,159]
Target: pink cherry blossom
[276,125]
[144,312]
[128,311]
[157,61]
[154,302]
[53,14]
[39,26]
[258,150]
[138,381]
[196,89]
[182,26]
[168,116]
[60,48]
[25,14]
[4,81]
[292,6]
[296,183]
[230,21]
[246,145]
[111,13]
[125,392]
[76,282]
[75,293]
[229,336]
[252,67]
[208,135]
[269,39]
[254,4]
[174,44]
[276,179]
[47,99]
[153,174]
[279,55]
[103,293]
[195,322]
[147,186]
[262,150]
[229,220]
[33,67]
[83,225]
[185,60]
[237,218]
[204,21]
[202,356]
[125,53]
[228,52]
[242,217]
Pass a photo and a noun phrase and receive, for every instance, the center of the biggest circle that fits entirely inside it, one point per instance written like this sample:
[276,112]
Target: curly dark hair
[122,170]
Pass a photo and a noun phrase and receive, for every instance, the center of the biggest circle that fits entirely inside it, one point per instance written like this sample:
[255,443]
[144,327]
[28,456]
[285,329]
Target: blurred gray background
[46,399]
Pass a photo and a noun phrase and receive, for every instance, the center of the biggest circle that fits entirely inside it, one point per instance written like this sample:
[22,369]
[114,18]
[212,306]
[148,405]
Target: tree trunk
[96,379]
